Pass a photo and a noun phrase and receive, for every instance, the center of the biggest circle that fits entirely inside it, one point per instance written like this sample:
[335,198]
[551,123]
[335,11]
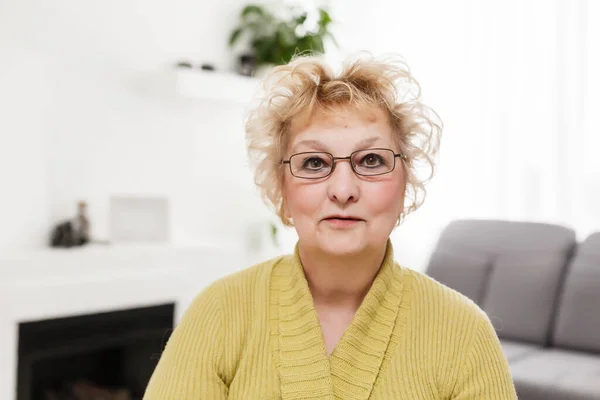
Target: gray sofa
[541,290]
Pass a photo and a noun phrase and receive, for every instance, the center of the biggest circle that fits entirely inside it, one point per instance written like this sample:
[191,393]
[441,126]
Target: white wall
[79,118]
[23,108]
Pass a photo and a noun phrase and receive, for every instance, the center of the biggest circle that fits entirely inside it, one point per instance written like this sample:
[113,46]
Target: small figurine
[75,232]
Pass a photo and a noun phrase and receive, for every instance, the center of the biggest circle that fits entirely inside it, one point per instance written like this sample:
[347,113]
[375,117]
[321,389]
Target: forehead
[341,130]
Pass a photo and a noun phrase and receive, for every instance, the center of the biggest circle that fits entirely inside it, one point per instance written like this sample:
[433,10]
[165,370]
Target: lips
[343,218]
[342,222]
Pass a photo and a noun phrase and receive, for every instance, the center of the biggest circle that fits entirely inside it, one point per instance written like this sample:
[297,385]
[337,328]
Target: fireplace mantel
[49,284]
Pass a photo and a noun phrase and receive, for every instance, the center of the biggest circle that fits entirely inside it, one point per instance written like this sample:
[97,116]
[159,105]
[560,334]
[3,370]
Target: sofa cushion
[516,350]
[494,237]
[557,375]
[578,320]
[522,294]
[465,273]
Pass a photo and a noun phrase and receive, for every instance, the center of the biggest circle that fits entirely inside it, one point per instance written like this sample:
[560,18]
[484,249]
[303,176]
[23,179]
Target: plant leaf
[318,44]
[253,9]
[333,39]
[300,20]
[264,49]
[287,36]
[235,35]
[324,20]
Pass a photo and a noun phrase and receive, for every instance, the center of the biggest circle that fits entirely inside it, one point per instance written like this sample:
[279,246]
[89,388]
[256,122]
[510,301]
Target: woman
[336,156]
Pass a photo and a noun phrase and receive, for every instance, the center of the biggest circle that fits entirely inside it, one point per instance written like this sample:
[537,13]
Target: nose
[343,184]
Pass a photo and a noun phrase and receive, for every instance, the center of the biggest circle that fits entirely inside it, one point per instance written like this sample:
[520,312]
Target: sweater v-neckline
[298,345]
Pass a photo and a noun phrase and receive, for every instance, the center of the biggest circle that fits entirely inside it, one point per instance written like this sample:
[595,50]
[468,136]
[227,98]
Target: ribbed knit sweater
[256,335]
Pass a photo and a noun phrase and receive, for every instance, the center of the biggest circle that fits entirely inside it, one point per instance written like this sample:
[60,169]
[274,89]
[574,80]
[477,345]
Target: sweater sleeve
[484,372]
[191,364]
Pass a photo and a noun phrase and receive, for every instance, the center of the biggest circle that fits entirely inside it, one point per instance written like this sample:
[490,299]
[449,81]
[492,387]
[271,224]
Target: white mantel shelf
[48,284]
[213,85]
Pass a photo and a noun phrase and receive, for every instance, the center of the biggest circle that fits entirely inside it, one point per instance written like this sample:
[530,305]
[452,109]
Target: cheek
[302,198]
[386,198]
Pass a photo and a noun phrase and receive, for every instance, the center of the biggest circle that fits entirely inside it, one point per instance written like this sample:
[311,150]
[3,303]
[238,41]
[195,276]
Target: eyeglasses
[318,165]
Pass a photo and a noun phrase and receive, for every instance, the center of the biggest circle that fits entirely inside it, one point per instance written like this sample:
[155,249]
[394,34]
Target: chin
[341,244]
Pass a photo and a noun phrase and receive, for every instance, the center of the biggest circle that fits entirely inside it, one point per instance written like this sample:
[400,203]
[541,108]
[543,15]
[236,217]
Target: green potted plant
[274,39]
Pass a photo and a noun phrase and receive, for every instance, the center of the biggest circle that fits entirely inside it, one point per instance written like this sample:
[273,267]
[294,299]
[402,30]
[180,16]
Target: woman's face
[344,213]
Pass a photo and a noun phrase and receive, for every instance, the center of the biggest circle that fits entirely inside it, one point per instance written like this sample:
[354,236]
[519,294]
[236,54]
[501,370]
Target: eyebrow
[318,145]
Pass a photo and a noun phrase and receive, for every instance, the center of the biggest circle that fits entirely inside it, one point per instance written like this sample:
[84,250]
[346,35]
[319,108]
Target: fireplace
[107,355]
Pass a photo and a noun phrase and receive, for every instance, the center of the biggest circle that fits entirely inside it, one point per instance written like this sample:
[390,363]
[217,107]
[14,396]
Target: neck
[340,281]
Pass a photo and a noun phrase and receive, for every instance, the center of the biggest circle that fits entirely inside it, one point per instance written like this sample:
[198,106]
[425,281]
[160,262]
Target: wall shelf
[218,86]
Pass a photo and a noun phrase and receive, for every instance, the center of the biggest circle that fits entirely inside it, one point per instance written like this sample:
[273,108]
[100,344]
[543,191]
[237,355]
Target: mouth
[342,220]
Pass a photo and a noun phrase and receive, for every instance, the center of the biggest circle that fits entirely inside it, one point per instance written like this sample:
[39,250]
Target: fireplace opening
[108,356]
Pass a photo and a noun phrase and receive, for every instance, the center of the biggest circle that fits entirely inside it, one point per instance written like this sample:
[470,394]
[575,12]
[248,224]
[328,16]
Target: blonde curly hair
[308,85]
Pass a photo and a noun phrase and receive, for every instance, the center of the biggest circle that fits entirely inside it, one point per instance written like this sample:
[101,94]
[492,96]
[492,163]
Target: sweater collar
[305,370]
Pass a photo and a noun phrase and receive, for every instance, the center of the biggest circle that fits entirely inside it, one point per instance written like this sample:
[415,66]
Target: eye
[314,163]
[372,160]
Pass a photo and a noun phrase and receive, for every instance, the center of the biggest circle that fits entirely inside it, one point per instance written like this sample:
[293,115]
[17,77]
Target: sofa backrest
[511,269]
[578,319]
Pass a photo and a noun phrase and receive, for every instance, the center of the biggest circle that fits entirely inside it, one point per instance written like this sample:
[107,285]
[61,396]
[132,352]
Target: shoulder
[439,300]
[448,326]
[233,309]
[239,299]
[237,288]
[444,298]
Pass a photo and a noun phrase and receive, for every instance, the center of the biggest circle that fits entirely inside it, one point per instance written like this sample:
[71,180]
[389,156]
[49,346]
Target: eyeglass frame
[349,158]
